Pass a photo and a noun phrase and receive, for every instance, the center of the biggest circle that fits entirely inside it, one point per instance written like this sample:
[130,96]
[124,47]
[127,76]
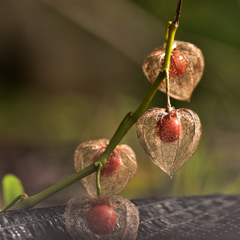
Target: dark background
[70,71]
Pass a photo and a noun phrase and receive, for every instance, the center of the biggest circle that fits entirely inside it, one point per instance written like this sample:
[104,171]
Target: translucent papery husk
[181,87]
[84,156]
[127,216]
[169,156]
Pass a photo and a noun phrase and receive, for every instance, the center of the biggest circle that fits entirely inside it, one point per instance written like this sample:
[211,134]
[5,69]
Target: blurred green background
[70,71]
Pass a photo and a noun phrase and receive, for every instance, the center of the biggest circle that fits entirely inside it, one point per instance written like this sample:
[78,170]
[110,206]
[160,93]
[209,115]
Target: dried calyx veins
[120,167]
[105,217]
[185,71]
[169,138]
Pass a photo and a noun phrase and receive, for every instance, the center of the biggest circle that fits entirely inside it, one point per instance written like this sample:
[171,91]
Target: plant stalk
[123,128]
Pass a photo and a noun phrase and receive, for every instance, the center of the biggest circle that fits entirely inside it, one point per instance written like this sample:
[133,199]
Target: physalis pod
[169,138]
[105,217]
[120,167]
[186,68]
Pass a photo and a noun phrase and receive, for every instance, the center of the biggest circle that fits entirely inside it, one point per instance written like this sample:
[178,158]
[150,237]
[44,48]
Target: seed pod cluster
[118,171]
[106,217]
[169,138]
[186,69]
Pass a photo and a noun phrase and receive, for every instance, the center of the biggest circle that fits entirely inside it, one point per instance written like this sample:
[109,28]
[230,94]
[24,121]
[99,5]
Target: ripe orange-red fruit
[178,64]
[101,219]
[112,165]
[169,128]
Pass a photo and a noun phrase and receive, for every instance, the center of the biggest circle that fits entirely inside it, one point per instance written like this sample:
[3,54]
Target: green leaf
[11,187]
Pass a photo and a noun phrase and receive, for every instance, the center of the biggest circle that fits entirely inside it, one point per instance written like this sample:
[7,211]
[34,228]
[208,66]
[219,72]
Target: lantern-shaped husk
[127,217]
[85,155]
[190,71]
[169,154]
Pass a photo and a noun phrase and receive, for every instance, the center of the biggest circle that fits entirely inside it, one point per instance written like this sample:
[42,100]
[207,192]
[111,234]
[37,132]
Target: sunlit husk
[126,212]
[84,156]
[169,156]
[181,87]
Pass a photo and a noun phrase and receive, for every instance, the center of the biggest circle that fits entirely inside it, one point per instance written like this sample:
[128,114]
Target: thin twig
[177,16]
[168,91]
[99,165]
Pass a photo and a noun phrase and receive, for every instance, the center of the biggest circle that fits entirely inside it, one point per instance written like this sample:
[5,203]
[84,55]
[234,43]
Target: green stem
[128,115]
[167,30]
[19,197]
[125,125]
[99,192]
[168,91]
[33,200]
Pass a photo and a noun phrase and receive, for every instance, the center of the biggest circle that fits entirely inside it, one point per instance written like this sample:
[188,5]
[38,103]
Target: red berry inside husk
[101,219]
[177,64]
[112,165]
[169,128]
